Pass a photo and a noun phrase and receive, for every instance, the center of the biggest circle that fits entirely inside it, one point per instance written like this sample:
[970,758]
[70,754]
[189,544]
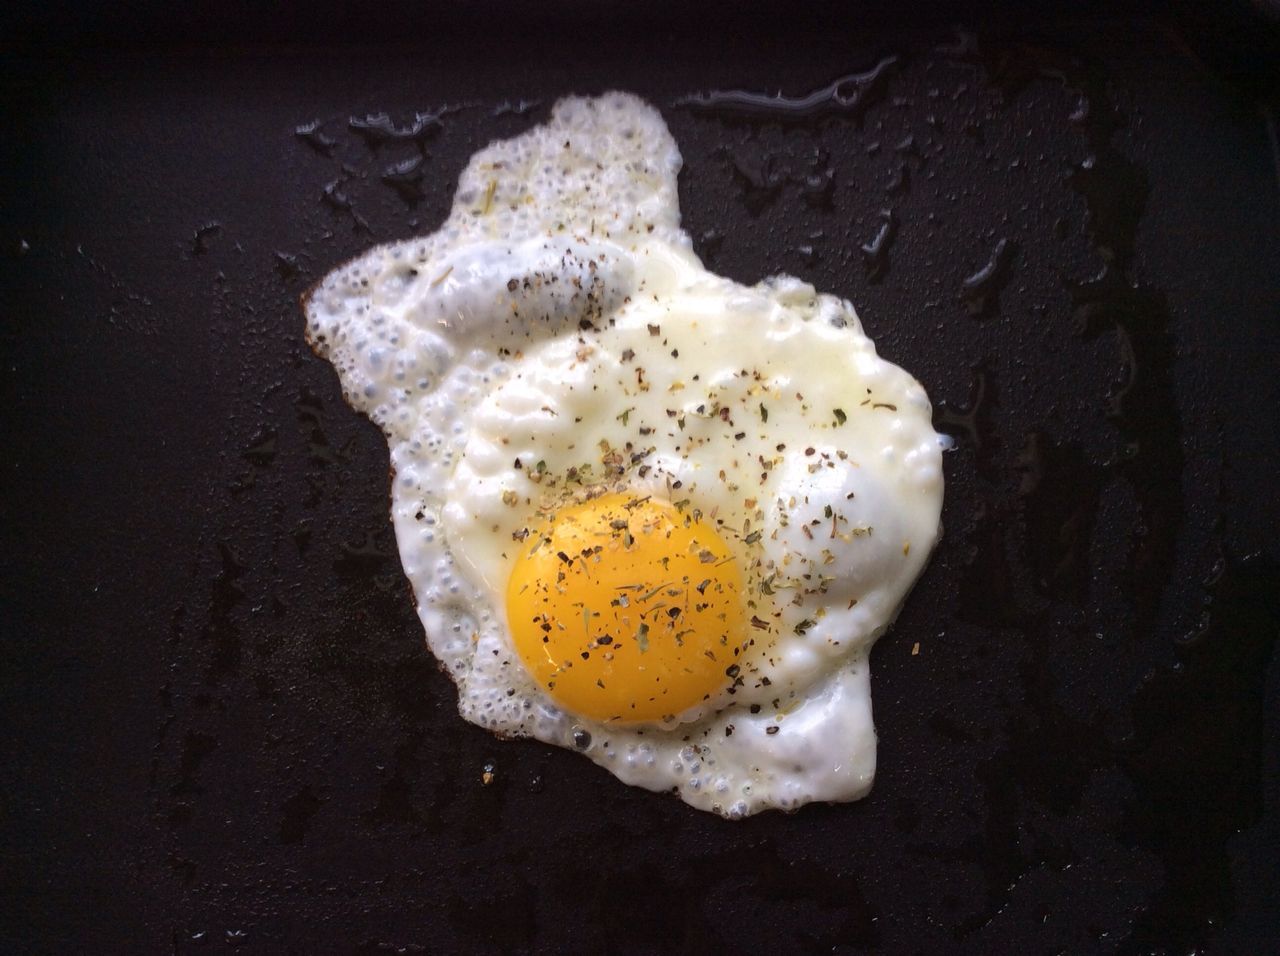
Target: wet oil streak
[849,96]
[1194,759]
[971,421]
[1143,406]
[1195,754]
[989,592]
[223,630]
[1060,489]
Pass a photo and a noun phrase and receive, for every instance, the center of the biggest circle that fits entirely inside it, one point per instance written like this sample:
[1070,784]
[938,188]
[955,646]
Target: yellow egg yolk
[627,609]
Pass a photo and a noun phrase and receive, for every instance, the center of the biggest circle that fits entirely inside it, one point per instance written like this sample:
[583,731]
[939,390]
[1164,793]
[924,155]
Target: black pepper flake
[512,285]
[771,730]
[655,329]
[581,739]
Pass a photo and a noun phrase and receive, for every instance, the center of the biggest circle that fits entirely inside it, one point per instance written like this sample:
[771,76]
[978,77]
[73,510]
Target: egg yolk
[627,608]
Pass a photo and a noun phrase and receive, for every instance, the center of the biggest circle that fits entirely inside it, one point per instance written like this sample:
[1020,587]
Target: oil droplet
[315,137]
[262,448]
[200,238]
[875,254]
[334,196]
[405,177]
[378,128]
[286,264]
[899,181]
[980,291]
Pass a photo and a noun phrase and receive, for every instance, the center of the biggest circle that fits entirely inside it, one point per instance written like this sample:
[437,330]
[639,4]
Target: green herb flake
[651,593]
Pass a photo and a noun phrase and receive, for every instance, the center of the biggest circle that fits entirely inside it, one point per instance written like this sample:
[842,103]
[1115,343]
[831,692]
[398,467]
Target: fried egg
[648,514]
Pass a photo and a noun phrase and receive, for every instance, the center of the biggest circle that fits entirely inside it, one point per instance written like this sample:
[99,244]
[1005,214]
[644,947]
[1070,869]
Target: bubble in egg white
[503,337]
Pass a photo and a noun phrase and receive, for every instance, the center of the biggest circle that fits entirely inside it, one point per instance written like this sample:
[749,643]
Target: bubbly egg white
[557,336]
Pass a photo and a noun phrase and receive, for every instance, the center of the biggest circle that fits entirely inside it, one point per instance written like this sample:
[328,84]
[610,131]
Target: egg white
[557,333]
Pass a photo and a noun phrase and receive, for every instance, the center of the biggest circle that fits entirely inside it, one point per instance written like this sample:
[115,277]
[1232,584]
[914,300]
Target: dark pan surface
[219,724]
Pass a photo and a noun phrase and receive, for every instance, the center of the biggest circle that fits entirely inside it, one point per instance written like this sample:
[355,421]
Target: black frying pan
[220,725]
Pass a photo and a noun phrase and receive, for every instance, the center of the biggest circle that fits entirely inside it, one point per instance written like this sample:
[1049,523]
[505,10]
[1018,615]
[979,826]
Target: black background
[219,725]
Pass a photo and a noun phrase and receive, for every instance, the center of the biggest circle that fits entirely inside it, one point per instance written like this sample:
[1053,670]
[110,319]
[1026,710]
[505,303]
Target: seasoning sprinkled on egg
[649,514]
